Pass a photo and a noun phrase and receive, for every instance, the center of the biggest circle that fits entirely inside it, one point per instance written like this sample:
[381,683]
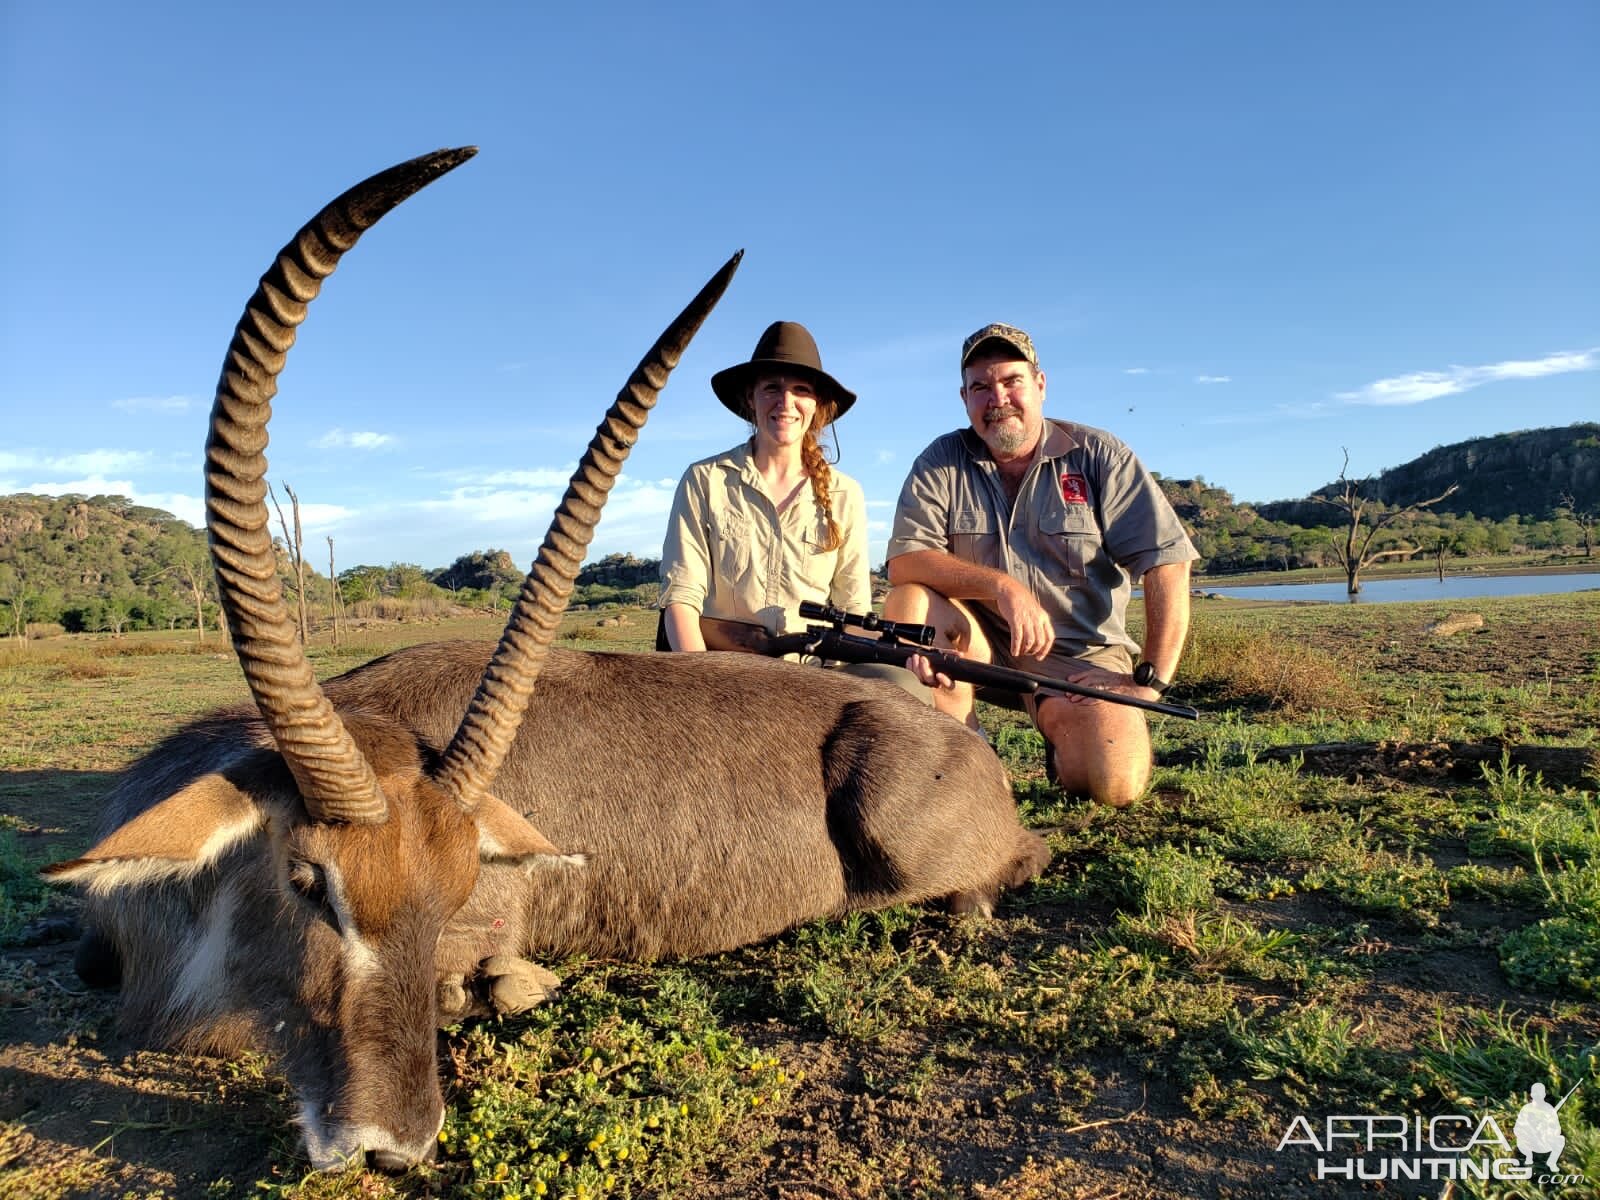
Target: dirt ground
[86,1113]
[102,1117]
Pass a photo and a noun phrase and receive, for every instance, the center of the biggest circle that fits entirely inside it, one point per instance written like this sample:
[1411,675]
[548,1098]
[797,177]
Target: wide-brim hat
[786,348]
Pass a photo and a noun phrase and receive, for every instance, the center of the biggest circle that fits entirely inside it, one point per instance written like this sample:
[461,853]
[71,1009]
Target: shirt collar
[741,460]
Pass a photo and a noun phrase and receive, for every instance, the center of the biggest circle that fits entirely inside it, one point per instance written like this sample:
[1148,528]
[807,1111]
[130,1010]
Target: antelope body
[326,875]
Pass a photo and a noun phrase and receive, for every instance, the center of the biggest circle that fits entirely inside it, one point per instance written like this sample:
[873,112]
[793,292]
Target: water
[1416,587]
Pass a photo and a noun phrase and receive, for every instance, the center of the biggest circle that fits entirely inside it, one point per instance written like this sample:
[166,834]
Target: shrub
[1267,669]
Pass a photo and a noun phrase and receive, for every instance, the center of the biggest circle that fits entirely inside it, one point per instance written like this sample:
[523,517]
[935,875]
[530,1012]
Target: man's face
[1005,403]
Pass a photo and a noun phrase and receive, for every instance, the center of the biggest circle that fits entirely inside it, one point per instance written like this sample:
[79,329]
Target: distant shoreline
[1312,575]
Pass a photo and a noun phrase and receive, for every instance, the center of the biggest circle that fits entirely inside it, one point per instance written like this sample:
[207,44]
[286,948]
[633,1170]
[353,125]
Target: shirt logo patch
[1074,489]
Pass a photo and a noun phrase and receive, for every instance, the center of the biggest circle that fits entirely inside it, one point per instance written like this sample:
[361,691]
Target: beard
[1006,435]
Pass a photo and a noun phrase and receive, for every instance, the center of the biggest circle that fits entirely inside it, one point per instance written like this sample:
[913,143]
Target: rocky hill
[1525,474]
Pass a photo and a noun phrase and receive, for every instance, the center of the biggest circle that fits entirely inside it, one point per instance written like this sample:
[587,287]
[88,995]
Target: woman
[759,528]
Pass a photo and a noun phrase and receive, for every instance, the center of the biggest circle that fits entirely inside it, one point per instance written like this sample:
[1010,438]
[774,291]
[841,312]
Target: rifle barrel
[843,647]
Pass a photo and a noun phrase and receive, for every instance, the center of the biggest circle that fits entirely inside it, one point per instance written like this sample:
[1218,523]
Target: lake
[1415,587]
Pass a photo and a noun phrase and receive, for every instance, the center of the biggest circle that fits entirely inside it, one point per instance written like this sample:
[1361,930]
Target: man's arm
[1032,632]
[1166,616]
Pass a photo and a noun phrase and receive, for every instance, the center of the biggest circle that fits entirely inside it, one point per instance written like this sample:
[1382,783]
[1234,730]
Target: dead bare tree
[337,603]
[1583,518]
[1363,523]
[198,577]
[297,559]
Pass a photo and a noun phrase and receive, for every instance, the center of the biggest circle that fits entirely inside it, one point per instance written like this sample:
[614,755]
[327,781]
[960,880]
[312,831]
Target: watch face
[1143,674]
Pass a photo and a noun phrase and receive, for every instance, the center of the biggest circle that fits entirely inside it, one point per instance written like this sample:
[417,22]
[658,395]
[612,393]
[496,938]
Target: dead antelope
[326,875]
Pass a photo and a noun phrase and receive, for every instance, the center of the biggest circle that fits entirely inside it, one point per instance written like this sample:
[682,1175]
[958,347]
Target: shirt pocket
[731,551]
[1070,539]
[814,567]
[975,538]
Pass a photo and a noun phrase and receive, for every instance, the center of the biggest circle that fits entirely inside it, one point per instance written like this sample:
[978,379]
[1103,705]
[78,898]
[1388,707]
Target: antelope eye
[310,882]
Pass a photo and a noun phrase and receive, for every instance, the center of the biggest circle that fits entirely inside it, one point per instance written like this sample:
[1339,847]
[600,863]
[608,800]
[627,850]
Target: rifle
[897,640]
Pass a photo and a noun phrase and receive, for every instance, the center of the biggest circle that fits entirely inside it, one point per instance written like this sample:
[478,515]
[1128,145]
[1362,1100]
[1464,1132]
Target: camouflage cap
[1009,334]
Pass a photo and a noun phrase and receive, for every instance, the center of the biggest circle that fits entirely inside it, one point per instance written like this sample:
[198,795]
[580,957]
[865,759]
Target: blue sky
[1243,236]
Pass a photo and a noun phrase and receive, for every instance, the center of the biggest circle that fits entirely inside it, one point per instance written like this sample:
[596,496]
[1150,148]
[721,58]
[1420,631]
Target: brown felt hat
[786,348]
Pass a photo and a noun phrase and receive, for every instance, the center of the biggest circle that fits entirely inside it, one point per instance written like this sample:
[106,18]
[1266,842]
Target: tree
[17,597]
[338,599]
[1583,518]
[1364,519]
[297,559]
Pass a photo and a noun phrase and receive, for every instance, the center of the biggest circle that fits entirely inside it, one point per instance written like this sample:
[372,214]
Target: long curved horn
[480,744]
[333,776]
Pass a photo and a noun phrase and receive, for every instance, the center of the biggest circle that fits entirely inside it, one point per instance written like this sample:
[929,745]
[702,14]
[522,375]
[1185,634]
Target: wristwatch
[1145,676]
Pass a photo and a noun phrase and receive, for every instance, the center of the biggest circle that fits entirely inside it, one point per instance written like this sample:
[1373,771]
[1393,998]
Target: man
[1019,540]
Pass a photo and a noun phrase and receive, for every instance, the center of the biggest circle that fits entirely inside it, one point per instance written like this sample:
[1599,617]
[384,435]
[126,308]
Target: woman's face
[784,407]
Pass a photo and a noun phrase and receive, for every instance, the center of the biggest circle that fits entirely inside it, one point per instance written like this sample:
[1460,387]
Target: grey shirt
[1088,522]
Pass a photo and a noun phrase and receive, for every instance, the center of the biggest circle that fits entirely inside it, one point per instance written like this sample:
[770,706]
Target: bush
[1267,669]
[1559,954]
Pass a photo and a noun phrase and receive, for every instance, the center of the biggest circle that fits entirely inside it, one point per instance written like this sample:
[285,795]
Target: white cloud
[184,507]
[884,457]
[155,404]
[339,439]
[1136,370]
[90,462]
[537,477]
[1420,386]
[1213,378]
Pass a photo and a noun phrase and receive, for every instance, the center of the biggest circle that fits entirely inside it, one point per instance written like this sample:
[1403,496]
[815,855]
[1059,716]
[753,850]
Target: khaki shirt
[730,554]
[1089,520]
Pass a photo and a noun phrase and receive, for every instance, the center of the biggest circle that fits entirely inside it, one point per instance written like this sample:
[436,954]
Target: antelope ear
[505,836]
[182,835]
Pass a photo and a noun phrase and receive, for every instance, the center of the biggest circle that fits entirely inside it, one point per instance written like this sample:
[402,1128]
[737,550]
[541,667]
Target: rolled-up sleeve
[851,588]
[922,515]
[685,556]
[1141,529]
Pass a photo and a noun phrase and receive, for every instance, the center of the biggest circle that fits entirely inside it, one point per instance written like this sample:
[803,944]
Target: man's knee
[1105,756]
[909,602]
[1085,771]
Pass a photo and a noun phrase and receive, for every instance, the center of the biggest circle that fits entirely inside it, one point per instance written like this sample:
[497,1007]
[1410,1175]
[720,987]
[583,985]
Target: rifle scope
[915,635]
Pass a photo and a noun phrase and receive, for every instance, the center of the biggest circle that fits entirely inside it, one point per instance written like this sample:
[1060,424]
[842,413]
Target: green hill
[103,562]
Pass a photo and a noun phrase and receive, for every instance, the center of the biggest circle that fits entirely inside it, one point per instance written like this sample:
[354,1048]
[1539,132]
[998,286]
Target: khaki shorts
[1064,661]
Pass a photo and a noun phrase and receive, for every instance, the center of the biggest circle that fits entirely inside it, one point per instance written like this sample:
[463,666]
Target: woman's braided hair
[817,468]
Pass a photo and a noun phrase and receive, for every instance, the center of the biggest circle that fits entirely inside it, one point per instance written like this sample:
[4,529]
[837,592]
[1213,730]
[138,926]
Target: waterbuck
[328,874]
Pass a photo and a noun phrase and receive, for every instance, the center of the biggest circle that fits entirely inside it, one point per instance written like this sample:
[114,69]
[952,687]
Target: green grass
[1262,936]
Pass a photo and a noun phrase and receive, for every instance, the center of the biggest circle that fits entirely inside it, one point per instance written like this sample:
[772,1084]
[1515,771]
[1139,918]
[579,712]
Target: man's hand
[1087,675]
[919,666]
[1032,633]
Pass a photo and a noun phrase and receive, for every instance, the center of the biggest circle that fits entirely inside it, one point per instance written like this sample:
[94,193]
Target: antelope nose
[388,1161]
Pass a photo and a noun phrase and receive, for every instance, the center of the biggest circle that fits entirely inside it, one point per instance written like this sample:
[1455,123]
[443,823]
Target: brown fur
[719,798]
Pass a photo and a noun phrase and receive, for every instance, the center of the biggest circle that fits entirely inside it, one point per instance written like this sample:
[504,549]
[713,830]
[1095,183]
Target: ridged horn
[333,776]
[484,737]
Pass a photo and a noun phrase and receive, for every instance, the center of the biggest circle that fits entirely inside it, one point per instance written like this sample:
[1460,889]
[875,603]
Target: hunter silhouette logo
[1446,1146]
[1538,1128]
